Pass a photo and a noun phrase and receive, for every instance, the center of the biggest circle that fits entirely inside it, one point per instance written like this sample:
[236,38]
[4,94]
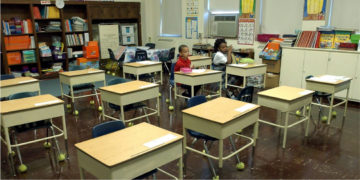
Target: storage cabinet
[297,63]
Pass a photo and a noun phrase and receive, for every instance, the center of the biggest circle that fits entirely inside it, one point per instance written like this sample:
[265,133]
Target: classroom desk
[244,70]
[17,85]
[198,61]
[129,93]
[130,152]
[286,99]
[331,87]
[194,79]
[221,118]
[72,78]
[26,110]
[143,67]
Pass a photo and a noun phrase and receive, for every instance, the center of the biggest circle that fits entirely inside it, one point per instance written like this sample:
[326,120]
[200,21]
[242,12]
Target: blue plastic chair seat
[127,107]
[83,86]
[147,174]
[198,135]
[321,94]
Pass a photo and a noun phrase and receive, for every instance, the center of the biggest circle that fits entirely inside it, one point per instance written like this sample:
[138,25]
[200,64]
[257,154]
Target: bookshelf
[89,11]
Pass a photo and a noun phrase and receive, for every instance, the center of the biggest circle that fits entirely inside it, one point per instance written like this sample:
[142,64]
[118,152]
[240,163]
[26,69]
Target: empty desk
[18,85]
[244,70]
[286,99]
[143,67]
[130,152]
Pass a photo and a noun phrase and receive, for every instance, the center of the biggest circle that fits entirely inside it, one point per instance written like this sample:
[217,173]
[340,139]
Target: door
[291,67]
[343,64]
[315,63]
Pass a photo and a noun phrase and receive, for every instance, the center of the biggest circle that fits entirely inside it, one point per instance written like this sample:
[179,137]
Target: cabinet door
[315,63]
[355,83]
[291,67]
[343,64]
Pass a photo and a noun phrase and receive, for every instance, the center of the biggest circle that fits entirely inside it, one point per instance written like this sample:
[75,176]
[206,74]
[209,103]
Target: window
[170,22]
[346,14]
[224,6]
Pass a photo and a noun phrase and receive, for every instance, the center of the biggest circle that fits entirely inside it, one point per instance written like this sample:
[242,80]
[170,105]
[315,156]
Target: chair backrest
[309,76]
[106,128]
[117,81]
[196,100]
[111,54]
[76,67]
[6,76]
[171,54]
[22,95]
[172,72]
[141,55]
[150,45]
[246,94]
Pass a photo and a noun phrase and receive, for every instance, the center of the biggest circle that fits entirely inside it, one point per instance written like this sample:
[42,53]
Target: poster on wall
[314,9]
[246,33]
[247,8]
[191,28]
[192,7]
[109,38]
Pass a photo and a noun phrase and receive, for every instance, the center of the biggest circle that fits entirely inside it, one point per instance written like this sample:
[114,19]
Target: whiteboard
[109,38]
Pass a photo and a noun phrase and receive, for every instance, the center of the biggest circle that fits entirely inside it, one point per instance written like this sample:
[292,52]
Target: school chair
[150,45]
[33,126]
[5,77]
[83,87]
[194,101]
[112,126]
[167,59]
[141,55]
[119,61]
[246,94]
[171,85]
[129,107]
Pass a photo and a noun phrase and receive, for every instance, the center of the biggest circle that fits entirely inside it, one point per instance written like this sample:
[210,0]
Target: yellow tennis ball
[76,112]
[298,112]
[100,108]
[324,119]
[167,100]
[22,168]
[47,145]
[61,157]
[171,108]
[240,166]
[334,113]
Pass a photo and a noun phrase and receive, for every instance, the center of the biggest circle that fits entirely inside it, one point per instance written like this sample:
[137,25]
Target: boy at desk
[184,62]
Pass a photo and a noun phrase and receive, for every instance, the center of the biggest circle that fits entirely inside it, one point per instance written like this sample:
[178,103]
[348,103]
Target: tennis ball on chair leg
[240,166]
[324,119]
[298,112]
[307,108]
[159,94]
[61,157]
[216,178]
[171,108]
[13,153]
[92,102]
[100,108]
[113,74]
[47,145]
[334,113]
[130,124]
[76,112]
[167,100]
[68,106]
[108,72]
[22,168]
[208,97]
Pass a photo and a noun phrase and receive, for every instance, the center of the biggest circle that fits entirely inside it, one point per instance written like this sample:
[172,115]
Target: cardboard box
[273,66]
[272,80]
[91,50]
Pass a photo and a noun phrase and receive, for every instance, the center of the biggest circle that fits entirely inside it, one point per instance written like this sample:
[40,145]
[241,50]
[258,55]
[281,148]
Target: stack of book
[29,56]
[17,26]
[308,39]
[75,39]
[289,40]
[46,12]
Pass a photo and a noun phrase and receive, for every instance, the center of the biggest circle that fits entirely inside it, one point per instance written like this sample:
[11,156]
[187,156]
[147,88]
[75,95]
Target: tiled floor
[326,154]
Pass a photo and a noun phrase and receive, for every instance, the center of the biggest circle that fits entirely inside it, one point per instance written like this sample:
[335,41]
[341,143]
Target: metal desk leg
[256,131]
[264,80]
[158,106]
[8,144]
[124,74]
[192,91]
[226,79]
[81,171]
[220,83]
[285,128]
[122,114]
[331,108]
[61,89]
[137,77]
[65,136]
[175,91]
[161,77]
[244,83]
[181,174]
[221,148]
[346,101]
[103,110]
[184,140]
[308,119]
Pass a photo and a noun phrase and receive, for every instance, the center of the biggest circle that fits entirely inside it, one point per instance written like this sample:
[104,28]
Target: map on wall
[192,7]
[246,31]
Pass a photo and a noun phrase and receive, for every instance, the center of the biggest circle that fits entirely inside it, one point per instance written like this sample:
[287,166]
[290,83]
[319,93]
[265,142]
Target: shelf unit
[90,11]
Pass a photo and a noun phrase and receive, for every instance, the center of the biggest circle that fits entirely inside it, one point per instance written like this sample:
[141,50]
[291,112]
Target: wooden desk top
[194,58]
[221,110]
[247,66]
[142,63]
[28,103]
[329,79]
[17,81]
[126,144]
[285,93]
[81,72]
[207,71]
[127,87]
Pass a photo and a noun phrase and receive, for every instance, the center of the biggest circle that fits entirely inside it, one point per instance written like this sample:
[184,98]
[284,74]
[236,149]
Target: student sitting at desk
[222,57]
[184,62]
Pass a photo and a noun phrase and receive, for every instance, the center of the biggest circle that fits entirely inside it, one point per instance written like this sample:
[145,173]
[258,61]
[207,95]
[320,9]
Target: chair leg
[210,162]
[147,118]
[18,150]
[97,97]
[154,176]
[56,141]
[167,68]
[234,149]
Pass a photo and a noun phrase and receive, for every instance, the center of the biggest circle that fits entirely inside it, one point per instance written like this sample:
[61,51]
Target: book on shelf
[75,39]
[46,12]
[17,26]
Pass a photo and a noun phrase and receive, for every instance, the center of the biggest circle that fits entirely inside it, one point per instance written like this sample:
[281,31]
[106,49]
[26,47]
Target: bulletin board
[191,28]
[246,33]
[109,38]
[192,7]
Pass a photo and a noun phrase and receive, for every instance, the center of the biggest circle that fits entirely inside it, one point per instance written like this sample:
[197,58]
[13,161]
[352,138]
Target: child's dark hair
[217,44]
[181,47]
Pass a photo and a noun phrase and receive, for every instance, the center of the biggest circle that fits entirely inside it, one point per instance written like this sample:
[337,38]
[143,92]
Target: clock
[60,4]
